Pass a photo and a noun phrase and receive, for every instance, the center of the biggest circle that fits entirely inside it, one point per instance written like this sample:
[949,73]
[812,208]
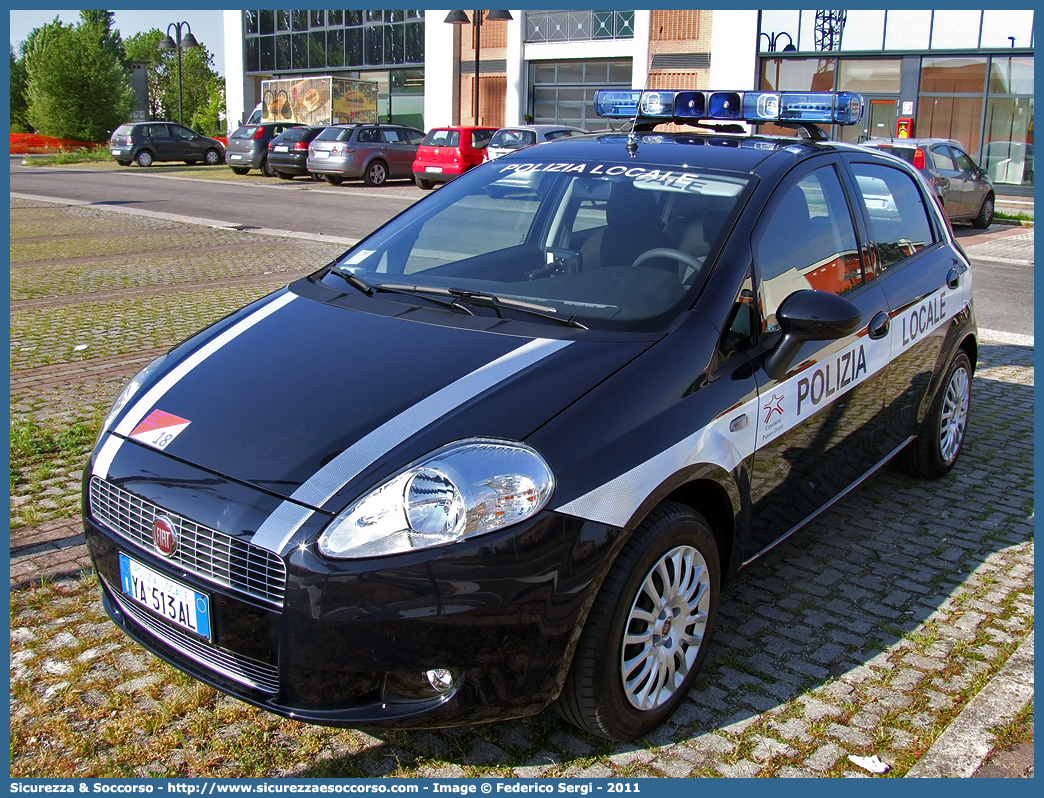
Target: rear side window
[369,134]
[244,132]
[808,241]
[898,218]
[442,138]
[941,158]
[480,138]
[335,134]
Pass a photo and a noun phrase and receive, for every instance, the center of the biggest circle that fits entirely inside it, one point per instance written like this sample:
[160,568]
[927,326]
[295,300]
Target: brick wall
[492,94]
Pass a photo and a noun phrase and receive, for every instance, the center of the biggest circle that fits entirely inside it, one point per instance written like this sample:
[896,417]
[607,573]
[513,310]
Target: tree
[197,77]
[77,85]
[208,119]
[19,103]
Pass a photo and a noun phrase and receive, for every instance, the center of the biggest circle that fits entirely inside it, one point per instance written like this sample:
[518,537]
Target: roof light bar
[824,107]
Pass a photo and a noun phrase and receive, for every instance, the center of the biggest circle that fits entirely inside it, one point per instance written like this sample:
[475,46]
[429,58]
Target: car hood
[290,386]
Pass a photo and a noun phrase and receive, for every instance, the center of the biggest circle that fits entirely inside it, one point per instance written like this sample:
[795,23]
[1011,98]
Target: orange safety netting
[30,143]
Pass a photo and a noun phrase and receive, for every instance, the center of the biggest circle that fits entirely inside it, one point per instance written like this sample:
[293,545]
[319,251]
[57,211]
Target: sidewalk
[899,623]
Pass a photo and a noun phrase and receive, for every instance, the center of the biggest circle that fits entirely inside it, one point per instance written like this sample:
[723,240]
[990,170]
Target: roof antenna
[632,137]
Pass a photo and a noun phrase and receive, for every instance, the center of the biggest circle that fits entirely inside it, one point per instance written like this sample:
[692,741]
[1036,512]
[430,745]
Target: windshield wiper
[496,302]
[354,281]
[416,290]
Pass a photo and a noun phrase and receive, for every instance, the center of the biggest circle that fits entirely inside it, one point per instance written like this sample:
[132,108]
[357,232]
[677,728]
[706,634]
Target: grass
[99,152]
[34,445]
[1000,216]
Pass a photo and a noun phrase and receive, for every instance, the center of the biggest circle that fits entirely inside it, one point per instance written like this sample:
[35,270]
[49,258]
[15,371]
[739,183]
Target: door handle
[878,327]
[953,279]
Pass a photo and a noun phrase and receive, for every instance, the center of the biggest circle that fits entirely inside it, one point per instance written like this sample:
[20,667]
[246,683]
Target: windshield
[614,245]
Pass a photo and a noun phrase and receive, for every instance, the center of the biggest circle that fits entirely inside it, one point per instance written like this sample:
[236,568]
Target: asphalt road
[1004,286]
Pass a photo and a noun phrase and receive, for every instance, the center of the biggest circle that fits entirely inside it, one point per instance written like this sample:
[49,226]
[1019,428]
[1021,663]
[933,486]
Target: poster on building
[318,101]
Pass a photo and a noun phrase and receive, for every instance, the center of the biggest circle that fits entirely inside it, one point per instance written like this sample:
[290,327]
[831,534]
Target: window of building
[898,220]
[869,75]
[798,74]
[953,75]
[955,30]
[574,26]
[908,30]
[1007,28]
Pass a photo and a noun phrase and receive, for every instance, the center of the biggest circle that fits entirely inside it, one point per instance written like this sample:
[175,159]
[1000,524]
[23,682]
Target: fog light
[440,679]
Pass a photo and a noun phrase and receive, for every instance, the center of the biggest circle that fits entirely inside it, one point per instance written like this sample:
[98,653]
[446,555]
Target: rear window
[335,134]
[299,134]
[513,138]
[123,130]
[245,132]
[906,153]
[561,134]
[442,138]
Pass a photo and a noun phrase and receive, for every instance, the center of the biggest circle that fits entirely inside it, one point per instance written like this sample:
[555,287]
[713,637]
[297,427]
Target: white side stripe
[280,527]
[145,404]
[784,407]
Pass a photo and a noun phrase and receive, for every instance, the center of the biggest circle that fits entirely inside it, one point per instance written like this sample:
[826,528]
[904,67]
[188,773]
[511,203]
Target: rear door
[951,183]
[161,141]
[925,283]
[975,186]
[817,425]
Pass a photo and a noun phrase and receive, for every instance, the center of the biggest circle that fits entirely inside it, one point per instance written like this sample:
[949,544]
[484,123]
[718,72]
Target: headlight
[128,392]
[463,489]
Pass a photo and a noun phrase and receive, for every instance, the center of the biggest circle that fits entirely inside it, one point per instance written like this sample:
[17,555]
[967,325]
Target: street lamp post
[179,43]
[461,18]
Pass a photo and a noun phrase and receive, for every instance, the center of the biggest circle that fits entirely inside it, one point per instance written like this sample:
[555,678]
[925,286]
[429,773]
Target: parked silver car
[373,152]
[248,147]
[963,188]
[508,139]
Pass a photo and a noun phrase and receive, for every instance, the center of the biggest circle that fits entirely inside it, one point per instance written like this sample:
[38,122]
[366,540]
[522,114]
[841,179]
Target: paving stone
[814,709]
[570,744]
[744,769]
[792,729]
[626,754]
[766,748]
[485,753]
[849,735]
[791,772]
[824,757]
[537,766]
[673,767]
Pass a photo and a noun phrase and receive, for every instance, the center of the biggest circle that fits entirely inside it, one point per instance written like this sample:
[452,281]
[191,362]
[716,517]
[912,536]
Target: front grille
[210,555]
[259,675]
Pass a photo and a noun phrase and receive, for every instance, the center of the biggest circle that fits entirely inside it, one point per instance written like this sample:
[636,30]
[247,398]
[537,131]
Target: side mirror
[809,316]
[981,171]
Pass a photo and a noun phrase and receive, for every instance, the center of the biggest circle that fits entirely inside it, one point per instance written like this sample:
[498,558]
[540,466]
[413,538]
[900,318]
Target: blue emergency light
[756,107]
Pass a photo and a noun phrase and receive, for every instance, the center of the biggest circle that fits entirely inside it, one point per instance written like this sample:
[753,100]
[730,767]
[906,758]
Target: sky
[206,26]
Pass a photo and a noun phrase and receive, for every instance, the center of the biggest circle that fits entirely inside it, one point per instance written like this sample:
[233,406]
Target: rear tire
[648,630]
[144,159]
[985,217]
[239,170]
[284,175]
[334,180]
[266,169]
[124,163]
[934,451]
[376,174]
[424,185]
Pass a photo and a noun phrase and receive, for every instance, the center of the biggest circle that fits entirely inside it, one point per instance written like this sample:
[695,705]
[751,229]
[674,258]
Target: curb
[966,743]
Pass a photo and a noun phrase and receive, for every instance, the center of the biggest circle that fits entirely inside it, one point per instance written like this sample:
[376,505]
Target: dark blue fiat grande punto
[506,450]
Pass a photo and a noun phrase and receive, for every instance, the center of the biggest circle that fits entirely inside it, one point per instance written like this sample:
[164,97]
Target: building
[966,75]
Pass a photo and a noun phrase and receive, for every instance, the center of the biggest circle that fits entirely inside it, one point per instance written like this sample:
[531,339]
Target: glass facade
[322,40]
[385,46]
[982,97]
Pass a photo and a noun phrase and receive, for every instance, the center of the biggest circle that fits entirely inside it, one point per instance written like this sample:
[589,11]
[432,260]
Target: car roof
[541,128]
[914,142]
[463,127]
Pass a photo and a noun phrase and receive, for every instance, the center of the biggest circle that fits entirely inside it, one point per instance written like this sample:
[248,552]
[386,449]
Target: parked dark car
[375,153]
[448,152]
[145,142]
[509,449]
[248,147]
[963,188]
[288,152]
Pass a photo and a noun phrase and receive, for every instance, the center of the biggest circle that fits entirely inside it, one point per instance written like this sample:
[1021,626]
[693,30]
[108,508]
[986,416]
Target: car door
[817,424]
[975,185]
[399,151]
[162,141]
[950,183]
[924,282]
[186,144]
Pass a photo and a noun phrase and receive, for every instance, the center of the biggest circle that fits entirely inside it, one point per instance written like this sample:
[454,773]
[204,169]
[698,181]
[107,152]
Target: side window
[480,138]
[898,218]
[182,132]
[414,136]
[807,241]
[740,329]
[368,135]
[390,135]
[156,131]
[964,163]
[941,158]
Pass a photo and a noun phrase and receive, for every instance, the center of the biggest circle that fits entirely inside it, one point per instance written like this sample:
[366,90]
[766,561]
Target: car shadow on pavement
[863,633]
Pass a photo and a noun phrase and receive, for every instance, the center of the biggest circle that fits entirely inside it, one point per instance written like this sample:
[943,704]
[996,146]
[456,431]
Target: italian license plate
[435,169]
[237,157]
[281,148]
[321,154]
[117,152]
[178,603]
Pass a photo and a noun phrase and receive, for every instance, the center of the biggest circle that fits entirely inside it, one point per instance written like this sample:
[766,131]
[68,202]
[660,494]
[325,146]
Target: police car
[506,450]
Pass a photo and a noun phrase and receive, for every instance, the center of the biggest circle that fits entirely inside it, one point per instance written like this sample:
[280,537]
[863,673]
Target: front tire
[985,217]
[424,185]
[239,170]
[376,174]
[212,157]
[648,630]
[934,451]
[144,159]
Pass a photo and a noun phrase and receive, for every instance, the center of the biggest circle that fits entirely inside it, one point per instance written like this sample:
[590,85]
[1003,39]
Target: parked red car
[447,152]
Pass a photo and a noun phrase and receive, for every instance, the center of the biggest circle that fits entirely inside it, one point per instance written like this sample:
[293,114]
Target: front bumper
[349,641]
